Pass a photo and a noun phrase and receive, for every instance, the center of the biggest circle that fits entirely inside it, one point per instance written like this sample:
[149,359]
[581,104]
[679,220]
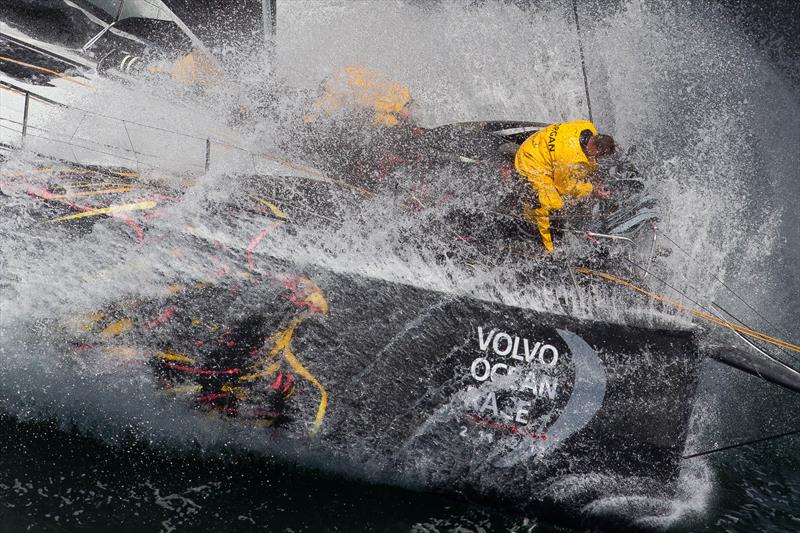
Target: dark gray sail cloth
[217,24]
[223,23]
[52,21]
[74,23]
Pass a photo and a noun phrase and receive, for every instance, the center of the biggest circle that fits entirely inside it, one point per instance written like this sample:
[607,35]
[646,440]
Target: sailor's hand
[598,191]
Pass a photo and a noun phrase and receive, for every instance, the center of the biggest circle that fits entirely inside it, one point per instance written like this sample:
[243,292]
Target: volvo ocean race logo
[521,385]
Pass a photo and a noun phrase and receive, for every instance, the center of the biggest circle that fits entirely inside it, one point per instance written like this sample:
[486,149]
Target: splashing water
[716,129]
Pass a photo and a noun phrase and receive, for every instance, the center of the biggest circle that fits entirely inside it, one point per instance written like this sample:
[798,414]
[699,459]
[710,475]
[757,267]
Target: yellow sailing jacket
[355,87]
[554,163]
[193,69]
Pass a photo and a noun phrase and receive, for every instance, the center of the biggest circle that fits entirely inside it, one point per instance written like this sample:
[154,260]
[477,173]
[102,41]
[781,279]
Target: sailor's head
[409,112]
[405,113]
[396,107]
[600,147]
[304,293]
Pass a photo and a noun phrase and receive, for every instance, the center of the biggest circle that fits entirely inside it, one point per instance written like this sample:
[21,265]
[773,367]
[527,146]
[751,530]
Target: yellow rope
[302,371]
[174,356]
[117,328]
[109,210]
[699,314]
[45,170]
[264,373]
[277,211]
[283,347]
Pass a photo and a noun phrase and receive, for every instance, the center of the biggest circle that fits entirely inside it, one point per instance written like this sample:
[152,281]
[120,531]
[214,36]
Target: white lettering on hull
[490,403]
[503,344]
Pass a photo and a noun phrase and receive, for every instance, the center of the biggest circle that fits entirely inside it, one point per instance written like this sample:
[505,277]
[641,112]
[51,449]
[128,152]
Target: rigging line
[48,71]
[22,92]
[75,145]
[694,312]
[570,268]
[219,142]
[39,49]
[666,284]
[78,127]
[753,309]
[124,125]
[35,96]
[680,292]
[749,343]
[757,348]
[13,88]
[583,60]
[79,146]
[707,309]
[652,248]
[768,355]
[741,444]
[712,317]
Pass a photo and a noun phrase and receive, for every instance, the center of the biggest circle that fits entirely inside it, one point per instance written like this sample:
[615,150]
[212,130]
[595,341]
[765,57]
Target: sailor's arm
[583,180]
[576,179]
[598,190]
[595,179]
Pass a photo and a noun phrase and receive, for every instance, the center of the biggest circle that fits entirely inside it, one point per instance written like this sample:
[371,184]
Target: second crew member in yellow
[561,160]
[355,88]
[360,127]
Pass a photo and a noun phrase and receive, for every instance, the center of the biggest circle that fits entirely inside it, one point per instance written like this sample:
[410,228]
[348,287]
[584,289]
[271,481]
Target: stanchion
[25,116]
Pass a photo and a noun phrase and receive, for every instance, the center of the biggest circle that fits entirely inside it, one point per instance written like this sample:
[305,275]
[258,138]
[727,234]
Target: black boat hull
[431,390]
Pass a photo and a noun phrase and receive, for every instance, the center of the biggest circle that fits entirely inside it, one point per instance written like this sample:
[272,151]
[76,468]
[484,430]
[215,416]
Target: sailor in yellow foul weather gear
[194,69]
[355,89]
[359,127]
[561,160]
